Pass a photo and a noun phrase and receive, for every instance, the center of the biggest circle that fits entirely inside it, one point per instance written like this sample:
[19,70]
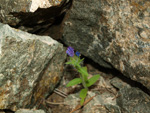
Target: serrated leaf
[83,94]
[92,80]
[74,82]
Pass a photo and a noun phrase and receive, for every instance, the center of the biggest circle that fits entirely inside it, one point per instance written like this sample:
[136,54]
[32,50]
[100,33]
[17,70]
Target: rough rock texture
[42,17]
[103,103]
[115,32]
[128,99]
[29,111]
[30,68]
[131,99]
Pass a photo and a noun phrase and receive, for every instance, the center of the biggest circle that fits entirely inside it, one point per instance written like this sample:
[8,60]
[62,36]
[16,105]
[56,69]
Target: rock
[29,111]
[103,103]
[114,33]
[42,17]
[118,83]
[30,68]
[126,98]
[133,100]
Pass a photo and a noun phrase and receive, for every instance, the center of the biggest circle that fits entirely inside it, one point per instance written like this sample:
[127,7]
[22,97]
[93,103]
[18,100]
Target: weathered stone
[30,68]
[29,111]
[42,17]
[103,103]
[115,32]
[133,100]
[118,83]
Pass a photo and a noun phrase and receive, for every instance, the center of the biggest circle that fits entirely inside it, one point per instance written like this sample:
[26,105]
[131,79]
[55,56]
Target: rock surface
[114,33]
[133,100]
[103,103]
[29,111]
[42,17]
[127,99]
[30,68]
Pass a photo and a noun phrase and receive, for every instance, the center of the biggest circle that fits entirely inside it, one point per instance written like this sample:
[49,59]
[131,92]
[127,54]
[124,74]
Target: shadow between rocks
[6,111]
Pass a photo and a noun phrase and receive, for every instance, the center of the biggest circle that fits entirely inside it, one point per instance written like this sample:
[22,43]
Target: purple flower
[77,53]
[70,51]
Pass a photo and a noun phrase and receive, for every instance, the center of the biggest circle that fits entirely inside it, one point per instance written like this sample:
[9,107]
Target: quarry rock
[114,34]
[30,68]
[42,17]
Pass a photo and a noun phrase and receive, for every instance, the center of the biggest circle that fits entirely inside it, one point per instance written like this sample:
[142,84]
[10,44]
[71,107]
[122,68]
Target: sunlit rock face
[30,68]
[114,33]
[42,17]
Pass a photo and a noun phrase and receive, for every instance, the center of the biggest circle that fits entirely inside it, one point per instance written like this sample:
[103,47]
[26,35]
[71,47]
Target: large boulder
[42,17]
[30,68]
[114,33]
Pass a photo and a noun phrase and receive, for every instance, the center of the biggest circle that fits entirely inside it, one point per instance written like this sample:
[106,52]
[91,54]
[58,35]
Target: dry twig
[57,91]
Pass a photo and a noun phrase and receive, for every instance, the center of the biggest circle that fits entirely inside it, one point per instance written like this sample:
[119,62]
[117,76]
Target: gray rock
[30,68]
[103,103]
[112,33]
[127,100]
[133,100]
[29,111]
[42,17]
[118,83]
[8,7]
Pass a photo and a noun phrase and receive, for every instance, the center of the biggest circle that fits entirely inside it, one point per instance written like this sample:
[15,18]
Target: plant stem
[81,76]
[83,82]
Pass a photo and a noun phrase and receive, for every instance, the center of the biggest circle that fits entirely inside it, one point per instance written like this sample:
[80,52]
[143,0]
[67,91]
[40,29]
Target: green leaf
[80,60]
[83,94]
[74,82]
[83,71]
[92,80]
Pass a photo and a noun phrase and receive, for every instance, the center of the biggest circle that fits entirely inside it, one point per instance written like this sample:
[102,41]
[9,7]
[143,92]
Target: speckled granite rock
[7,7]
[133,100]
[29,111]
[42,17]
[115,32]
[103,103]
[30,68]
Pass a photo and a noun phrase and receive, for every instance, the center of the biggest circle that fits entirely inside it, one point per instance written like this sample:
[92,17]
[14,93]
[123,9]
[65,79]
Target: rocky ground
[57,102]
[104,88]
